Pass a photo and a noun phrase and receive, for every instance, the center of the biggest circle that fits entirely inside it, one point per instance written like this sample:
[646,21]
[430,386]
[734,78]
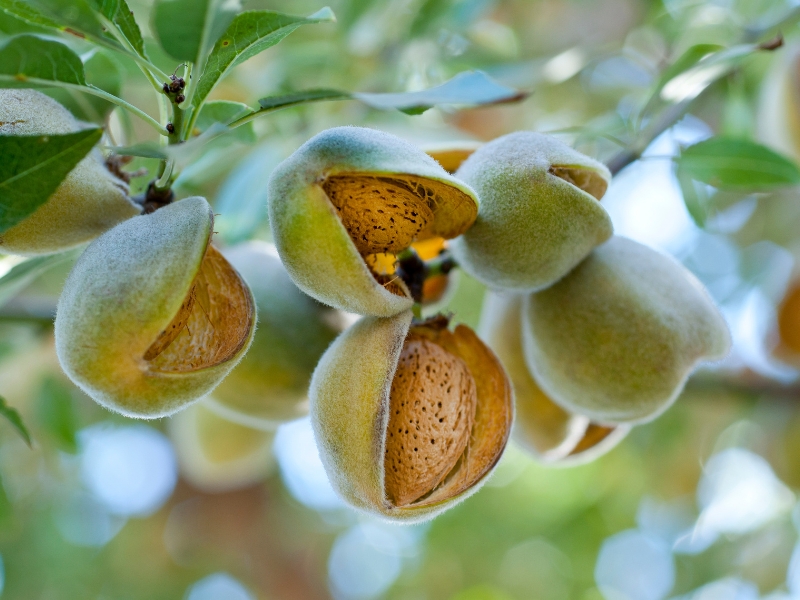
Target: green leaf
[294,98]
[22,9]
[473,88]
[224,112]
[249,34]
[183,154]
[13,417]
[686,61]
[187,29]
[24,273]
[119,13]
[33,167]
[6,508]
[468,88]
[737,164]
[102,71]
[694,197]
[73,16]
[56,414]
[240,197]
[143,150]
[27,57]
[689,82]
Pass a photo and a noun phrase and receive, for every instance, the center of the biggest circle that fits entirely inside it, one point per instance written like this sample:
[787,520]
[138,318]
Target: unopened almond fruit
[539,215]
[347,202]
[616,339]
[409,419]
[87,203]
[217,455]
[552,434]
[152,316]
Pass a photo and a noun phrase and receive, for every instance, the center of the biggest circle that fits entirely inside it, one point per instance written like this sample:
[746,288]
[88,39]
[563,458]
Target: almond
[152,317]
[347,202]
[409,420]
[432,410]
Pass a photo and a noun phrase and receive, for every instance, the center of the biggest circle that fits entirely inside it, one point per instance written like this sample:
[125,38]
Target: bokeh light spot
[367,559]
[131,470]
[301,467]
[219,586]
[634,566]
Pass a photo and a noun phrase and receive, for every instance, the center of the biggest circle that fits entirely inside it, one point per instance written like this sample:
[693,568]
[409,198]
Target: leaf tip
[324,14]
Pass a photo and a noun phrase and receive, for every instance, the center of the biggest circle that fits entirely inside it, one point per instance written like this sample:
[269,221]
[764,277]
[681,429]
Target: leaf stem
[674,113]
[658,126]
[95,91]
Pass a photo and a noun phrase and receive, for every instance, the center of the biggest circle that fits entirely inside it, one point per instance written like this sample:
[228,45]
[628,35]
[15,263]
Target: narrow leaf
[240,197]
[187,29]
[284,100]
[249,34]
[694,197]
[225,112]
[104,72]
[28,57]
[22,9]
[142,150]
[56,414]
[686,61]
[13,417]
[33,167]
[74,16]
[119,13]
[468,88]
[737,164]
[25,272]
[688,83]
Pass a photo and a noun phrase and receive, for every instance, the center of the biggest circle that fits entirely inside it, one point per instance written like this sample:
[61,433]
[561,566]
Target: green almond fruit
[409,419]
[616,339]
[550,433]
[152,316]
[217,455]
[347,202]
[539,214]
[87,203]
[270,385]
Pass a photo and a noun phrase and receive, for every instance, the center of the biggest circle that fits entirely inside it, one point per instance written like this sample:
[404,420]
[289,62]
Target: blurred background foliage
[700,504]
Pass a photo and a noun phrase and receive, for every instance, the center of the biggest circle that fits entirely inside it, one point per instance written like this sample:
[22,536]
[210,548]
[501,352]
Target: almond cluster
[588,333]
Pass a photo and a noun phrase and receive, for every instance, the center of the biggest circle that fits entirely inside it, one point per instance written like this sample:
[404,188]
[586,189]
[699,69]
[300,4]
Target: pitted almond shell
[216,455]
[367,399]
[550,433]
[539,214]
[349,194]
[87,203]
[152,316]
[452,154]
[616,339]
[270,385]
[432,406]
